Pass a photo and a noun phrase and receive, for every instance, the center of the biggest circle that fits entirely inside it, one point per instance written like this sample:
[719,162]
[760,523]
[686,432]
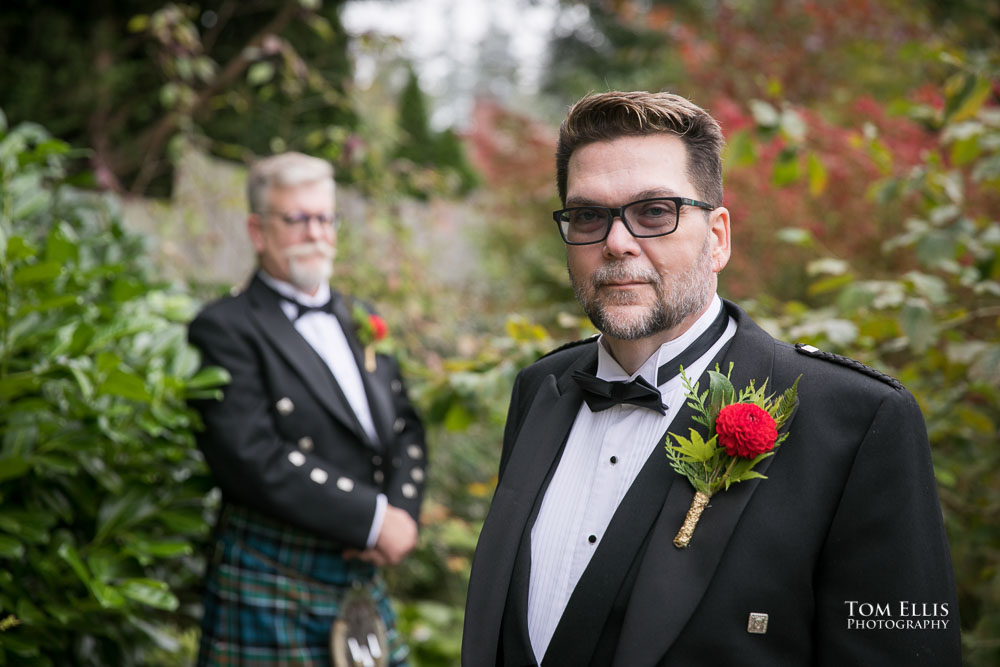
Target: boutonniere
[745,427]
[372,331]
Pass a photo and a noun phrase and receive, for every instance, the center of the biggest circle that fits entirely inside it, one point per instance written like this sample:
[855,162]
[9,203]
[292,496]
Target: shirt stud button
[614,460]
[592,539]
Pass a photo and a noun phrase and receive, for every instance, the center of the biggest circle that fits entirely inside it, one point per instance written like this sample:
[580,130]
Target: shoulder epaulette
[568,345]
[849,363]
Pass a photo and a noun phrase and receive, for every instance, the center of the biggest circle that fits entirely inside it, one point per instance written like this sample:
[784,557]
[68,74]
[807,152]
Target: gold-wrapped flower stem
[370,358]
[698,505]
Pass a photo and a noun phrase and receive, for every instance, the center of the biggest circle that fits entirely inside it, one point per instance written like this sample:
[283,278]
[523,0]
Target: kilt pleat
[272,592]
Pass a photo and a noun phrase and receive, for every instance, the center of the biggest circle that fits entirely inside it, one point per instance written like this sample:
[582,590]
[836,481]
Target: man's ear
[255,230]
[718,222]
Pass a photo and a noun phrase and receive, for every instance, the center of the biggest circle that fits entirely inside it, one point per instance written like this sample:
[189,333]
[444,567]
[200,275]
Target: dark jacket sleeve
[406,480]
[885,590]
[247,446]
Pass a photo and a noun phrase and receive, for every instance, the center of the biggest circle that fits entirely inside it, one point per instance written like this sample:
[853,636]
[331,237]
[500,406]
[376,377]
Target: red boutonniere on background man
[745,429]
[372,332]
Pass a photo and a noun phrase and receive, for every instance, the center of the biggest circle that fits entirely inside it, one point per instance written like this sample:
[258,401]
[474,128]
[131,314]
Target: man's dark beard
[690,294]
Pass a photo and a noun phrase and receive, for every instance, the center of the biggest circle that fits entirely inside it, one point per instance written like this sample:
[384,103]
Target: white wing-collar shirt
[603,455]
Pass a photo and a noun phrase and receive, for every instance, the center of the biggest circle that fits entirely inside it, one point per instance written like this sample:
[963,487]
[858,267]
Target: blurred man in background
[317,450]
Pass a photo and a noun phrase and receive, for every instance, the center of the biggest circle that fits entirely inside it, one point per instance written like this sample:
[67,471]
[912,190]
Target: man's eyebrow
[645,194]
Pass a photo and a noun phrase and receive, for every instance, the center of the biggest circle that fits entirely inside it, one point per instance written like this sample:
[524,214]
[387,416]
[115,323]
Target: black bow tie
[603,394]
[304,309]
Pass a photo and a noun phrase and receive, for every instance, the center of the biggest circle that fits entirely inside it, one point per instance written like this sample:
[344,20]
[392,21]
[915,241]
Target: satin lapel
[301,357]
[377,389]
[671,581]
[545,427]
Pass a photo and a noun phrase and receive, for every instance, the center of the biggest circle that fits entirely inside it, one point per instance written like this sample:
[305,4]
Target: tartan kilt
[272,593]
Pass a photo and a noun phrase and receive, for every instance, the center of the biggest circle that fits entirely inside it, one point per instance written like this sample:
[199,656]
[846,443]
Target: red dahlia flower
[746,430]
[379,328]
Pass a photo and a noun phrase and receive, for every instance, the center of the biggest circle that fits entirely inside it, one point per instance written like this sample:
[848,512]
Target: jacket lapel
[585,618]
[535,449]
[670,581]
[301,357]
[377,390]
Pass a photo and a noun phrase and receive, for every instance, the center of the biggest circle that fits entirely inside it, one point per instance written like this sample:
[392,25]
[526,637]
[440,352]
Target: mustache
[623,272]
[313,248]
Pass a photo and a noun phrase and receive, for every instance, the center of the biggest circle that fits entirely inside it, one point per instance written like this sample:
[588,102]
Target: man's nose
[620,241]
[315,228]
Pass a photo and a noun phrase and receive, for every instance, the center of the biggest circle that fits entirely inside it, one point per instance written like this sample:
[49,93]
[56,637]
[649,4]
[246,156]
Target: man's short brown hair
[612,115]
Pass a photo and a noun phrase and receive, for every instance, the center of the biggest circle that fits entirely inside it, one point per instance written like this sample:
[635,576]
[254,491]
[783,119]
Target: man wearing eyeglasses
[319,455]
[838,557]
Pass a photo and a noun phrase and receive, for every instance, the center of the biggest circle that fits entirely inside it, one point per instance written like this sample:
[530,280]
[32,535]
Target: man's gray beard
[689,294]
[307,276]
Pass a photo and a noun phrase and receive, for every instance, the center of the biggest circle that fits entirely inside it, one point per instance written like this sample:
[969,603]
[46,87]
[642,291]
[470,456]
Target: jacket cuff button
[409,491]
[306,444]
[318,475]
[345,484]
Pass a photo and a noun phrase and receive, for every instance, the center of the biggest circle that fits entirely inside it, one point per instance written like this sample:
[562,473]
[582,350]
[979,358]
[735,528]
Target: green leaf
[967,94]
[816,171]
[917,323]
[695,449]
[18,384]
[796,236]
[764,114]
[260,73]
[189,522]
[36,273]
[721,392]
[11,548]
[786,169]
[831,284]
[159,548]
[740,150]
[117,512]
[125,384]
[13,466]
[209,377]
[458,417]
[107,596]
[69,554]
[150,592]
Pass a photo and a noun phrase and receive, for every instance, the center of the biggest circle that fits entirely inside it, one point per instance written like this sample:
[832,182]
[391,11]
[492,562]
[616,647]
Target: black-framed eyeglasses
[301,219]
[646,218]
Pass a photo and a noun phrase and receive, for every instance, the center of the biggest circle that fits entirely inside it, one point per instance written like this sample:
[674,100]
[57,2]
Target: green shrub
[103,496]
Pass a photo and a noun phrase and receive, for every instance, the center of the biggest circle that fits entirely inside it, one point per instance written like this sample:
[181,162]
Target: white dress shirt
[603,455]
[323,332]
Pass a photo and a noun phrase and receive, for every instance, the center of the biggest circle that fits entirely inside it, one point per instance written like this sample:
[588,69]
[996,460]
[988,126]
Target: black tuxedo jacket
[284,440]
[848,517]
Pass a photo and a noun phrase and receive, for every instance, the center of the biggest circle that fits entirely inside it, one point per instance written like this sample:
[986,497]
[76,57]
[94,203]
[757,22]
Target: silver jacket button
[285,406]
